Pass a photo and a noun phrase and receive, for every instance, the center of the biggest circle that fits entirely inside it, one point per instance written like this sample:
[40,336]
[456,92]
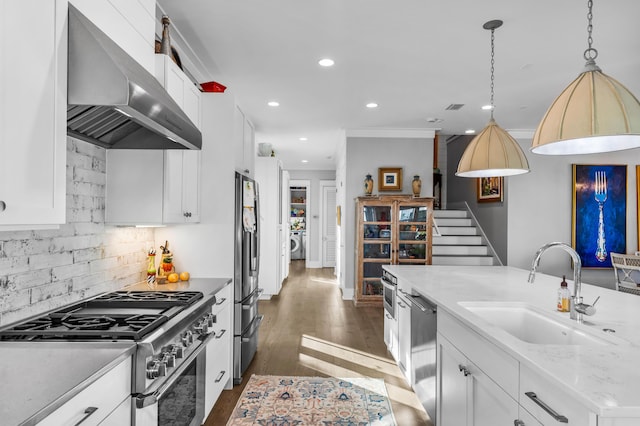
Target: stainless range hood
[116,103]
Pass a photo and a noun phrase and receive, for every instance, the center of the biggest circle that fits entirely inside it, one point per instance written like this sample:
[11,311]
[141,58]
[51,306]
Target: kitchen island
[597,377]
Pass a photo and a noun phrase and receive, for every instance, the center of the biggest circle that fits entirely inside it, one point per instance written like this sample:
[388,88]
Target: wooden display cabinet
[391,230]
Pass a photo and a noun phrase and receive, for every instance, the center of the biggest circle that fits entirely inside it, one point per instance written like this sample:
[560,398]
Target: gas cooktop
[129,315]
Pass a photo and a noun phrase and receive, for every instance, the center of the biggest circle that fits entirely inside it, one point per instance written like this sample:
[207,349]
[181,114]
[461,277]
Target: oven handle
[388,284]
[255,327]
[156,392]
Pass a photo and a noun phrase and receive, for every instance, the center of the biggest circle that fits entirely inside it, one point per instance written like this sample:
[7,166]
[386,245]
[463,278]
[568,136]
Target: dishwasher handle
[424,305]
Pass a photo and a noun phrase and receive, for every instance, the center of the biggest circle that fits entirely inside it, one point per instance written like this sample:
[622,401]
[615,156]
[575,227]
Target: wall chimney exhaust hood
[116,103]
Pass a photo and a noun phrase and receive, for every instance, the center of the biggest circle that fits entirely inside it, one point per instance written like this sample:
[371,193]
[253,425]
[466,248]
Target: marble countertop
[38,377]
[604,378]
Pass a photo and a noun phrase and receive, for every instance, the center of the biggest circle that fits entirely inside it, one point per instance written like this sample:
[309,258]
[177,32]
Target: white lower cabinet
[218,368]
[403,314]
[104,401]
[391,334]
[468,396]
[481,384]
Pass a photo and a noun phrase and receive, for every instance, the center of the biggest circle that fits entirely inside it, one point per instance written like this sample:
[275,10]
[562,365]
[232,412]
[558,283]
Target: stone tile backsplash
[45,269]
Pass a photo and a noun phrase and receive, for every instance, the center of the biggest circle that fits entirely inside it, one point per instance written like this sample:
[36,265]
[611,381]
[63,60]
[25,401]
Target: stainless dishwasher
[423,352]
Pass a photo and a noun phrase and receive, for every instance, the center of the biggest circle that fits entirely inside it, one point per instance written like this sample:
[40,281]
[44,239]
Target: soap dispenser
[563,296]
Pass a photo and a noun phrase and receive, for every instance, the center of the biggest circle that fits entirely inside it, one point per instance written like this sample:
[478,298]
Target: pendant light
[493,152]
[595,113]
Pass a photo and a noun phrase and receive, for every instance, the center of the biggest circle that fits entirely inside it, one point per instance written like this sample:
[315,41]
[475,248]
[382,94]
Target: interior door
[329,227]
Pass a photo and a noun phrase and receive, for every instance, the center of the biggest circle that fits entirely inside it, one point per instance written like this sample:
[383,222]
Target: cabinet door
[453,391]
[489,405]
[403,309]
[33,84]
[413,233]
[181,186]
[375,248]
[238,142]
[218,358]
[192,104]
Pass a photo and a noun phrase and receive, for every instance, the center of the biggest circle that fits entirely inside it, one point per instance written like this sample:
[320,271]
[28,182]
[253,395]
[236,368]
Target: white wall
[540,210]
[365,153]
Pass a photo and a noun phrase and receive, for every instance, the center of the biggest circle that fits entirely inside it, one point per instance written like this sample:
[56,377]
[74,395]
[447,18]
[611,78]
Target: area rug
[310,401]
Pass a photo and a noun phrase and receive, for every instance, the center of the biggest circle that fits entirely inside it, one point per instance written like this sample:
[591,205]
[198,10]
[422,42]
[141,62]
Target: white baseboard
[347,293]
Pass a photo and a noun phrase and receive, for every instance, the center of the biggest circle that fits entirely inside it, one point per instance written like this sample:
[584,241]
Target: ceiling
[412,57]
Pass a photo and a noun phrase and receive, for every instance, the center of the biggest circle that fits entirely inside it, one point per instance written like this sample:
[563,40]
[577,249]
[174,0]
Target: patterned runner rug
[309,401]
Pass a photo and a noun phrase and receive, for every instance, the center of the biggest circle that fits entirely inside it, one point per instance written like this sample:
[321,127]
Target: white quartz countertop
[38,377]
[604,378]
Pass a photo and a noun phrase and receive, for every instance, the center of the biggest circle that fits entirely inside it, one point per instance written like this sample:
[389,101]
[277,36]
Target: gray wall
[364,155]
[491,216]
[314,204]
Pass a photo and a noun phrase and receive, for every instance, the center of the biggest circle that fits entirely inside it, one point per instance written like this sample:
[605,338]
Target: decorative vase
[368,185]
[416,185]
[165,43]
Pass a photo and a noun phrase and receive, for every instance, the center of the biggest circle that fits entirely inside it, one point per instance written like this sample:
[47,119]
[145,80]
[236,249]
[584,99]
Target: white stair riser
[461,250]
[450,213]
[462,240]
[462,260]
[458,230]
[453,222]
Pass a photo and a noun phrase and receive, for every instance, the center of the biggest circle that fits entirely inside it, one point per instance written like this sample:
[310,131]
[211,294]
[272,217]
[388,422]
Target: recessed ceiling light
[303,139]
[273,104]
[326,62]
[372,105]
[305,161]
[469,131]
[488,107]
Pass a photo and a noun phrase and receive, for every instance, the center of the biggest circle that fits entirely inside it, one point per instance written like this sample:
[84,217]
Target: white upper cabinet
[152,187]
[181,187]
[244,143]
[180,87]
[33,112]
[129,23]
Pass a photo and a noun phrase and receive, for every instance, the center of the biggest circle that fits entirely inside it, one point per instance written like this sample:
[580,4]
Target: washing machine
[297,245]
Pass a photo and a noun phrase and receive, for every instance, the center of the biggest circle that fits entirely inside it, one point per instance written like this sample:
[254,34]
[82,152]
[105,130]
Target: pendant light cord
[590,54]
[492,70]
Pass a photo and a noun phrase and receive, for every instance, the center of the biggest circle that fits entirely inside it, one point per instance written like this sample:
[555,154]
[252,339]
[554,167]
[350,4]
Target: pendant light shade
[595,113]
[493,152]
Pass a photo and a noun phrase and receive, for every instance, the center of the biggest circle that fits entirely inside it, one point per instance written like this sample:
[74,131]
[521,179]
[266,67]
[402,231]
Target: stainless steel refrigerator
[246,264]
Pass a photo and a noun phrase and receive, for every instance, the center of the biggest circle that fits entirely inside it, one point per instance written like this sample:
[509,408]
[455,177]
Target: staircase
[460,241]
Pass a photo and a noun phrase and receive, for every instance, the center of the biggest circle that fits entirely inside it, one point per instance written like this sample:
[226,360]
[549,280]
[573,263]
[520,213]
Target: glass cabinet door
[376,246]
[412,224]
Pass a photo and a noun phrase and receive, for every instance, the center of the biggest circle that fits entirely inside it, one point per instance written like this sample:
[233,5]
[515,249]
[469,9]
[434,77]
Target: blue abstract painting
[599,213]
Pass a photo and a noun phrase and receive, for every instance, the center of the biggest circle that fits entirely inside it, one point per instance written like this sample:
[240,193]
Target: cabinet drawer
[105,394]
[223,299]
[556,400]
[493,361]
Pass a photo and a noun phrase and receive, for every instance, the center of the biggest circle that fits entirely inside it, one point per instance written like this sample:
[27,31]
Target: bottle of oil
[563,296]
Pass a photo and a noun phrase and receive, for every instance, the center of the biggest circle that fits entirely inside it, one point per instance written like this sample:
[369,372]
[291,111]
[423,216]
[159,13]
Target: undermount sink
[533,325]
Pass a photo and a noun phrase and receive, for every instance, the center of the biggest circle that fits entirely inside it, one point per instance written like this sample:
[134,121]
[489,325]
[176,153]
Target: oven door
[389,297]
[179,398]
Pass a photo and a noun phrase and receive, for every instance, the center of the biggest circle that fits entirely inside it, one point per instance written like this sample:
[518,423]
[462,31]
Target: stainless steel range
[171,330]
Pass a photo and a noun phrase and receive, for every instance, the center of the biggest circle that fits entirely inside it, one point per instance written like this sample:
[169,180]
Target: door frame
[306,183]
[323,185]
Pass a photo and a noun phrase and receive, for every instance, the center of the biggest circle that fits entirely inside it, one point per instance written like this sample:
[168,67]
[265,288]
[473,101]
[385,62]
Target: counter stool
[627,270]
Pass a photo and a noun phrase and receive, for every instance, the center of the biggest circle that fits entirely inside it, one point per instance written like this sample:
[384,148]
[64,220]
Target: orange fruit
[173,278]
[184,276]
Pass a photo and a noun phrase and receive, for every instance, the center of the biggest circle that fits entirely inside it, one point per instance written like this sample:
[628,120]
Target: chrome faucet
[576,307]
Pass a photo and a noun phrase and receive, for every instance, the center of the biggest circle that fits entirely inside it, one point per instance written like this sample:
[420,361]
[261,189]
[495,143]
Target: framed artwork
[338,215]
[390,179]
[599,213]
[490,189]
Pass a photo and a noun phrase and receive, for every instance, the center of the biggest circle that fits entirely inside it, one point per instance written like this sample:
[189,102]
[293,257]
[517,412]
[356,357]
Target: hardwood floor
[308,330]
